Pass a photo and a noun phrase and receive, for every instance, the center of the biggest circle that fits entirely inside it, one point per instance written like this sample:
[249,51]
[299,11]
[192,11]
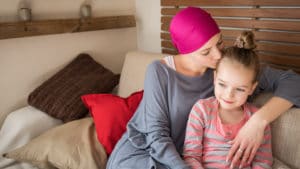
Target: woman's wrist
[259,120]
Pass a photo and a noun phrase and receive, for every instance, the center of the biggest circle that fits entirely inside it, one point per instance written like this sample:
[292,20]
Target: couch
[285,130]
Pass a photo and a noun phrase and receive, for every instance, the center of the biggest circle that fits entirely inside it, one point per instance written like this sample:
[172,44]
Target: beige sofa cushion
[72,145]
[285,134]
[277,164]
[133,71]
[286,138]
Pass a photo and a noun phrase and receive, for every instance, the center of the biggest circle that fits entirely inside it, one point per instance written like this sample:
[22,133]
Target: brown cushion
[71,145]
[59,96]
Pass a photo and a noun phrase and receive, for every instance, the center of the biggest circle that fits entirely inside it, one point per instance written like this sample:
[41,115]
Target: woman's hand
[246,143]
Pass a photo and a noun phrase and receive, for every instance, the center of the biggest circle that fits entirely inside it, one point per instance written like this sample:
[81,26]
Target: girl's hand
[246,143]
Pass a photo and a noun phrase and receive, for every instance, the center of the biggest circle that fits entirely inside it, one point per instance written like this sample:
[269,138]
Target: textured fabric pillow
[18,129]
[111,114]
[59,96]
[71,145]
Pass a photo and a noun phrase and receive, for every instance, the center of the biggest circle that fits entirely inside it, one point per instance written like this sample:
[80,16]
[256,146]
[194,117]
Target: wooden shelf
[44,27]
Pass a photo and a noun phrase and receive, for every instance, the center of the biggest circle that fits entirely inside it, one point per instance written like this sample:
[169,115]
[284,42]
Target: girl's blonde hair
[243,53]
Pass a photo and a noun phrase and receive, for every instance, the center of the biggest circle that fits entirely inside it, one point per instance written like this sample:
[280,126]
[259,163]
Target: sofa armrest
[277,164]
[285,134]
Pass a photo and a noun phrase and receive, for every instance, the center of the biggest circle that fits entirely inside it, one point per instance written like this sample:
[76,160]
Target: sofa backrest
[133,71]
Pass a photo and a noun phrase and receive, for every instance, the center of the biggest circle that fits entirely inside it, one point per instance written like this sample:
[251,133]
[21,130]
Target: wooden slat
[280,60]
[167,44]
[265,36]
[279,48]
[283,67]
[169,51]
[271,48]
[289,37]
[244,12]
[293,61]
[229,2]
[243,23]
[260,24]
[261,13]
[33,28]
[278,36]
[165,36]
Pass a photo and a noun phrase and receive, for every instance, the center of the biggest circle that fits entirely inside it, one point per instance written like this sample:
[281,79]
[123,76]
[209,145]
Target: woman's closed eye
[220,43]
[206,52]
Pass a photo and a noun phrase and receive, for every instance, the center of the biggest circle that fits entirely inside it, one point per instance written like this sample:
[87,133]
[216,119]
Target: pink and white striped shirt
[206,141]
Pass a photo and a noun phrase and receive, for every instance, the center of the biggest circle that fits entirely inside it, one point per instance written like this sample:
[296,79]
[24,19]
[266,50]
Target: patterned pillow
[59,96]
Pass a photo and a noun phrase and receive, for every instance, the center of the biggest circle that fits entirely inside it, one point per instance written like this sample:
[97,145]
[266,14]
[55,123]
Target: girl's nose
[229,93]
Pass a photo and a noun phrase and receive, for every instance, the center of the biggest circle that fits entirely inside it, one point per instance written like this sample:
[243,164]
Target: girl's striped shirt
[206,142]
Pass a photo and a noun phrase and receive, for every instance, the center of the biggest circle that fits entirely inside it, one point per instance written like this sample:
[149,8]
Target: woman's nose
[217,54]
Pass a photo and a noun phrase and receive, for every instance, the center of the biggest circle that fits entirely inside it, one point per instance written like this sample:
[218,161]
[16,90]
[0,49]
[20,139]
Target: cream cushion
[133,71]
[19,128]
[72,145]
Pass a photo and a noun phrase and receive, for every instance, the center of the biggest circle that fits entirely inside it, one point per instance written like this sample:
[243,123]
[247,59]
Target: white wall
[148,25]
[27,62]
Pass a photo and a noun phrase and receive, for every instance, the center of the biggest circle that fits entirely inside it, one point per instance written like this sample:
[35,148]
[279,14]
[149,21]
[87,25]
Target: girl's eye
[222,84]
[240,90]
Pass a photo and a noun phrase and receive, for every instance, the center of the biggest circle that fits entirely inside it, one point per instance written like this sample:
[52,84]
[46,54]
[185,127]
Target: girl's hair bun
[245,40]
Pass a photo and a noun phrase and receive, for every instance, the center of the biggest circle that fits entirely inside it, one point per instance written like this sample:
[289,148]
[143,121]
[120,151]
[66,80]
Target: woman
[155,134]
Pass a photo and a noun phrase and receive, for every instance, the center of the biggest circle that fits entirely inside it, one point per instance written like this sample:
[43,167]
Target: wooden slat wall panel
[247,23]
[246,12]
[228,2]
[276,25]
[264,36]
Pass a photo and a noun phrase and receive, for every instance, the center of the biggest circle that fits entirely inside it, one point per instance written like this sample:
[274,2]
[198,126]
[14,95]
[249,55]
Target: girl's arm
[284,85]
[192,149]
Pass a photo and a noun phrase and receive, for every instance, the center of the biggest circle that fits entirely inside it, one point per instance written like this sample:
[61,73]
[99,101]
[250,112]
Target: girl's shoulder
[250,108]
[208,105]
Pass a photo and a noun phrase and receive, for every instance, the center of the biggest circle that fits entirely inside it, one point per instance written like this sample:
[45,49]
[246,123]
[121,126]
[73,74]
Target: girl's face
[233,84]
[209,54]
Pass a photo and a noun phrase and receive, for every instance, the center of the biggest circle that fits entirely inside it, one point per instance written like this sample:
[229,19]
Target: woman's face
[209,54]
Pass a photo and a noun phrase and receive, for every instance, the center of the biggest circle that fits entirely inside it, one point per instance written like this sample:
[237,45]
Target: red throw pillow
[111,114]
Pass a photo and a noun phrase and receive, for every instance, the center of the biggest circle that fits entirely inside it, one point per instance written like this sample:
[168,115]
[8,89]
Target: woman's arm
[284,85]
[153,123]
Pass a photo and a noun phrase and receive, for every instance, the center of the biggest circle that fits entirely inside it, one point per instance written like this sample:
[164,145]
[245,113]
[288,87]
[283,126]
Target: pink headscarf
[191,28]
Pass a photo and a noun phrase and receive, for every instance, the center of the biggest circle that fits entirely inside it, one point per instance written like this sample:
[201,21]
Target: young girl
[215,121]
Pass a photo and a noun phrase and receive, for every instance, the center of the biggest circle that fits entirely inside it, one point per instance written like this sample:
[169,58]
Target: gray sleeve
[156,119]
[284,84]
